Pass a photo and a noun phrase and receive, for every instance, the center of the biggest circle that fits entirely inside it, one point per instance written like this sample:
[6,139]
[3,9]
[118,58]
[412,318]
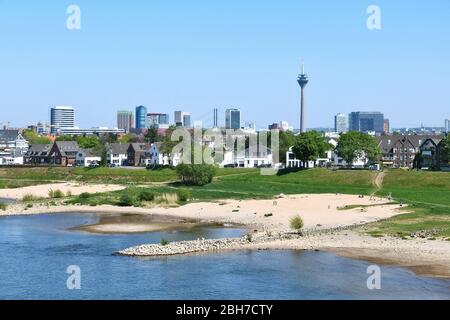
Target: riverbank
[42,191]
[267,223]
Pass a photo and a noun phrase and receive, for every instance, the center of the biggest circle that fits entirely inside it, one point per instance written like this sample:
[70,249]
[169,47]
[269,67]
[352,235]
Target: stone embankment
[211,245]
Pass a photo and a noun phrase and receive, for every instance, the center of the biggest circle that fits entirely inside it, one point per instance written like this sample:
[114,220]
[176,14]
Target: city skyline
[104,69]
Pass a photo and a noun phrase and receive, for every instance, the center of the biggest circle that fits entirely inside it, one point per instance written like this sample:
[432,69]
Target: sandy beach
[42,190]
[327,226]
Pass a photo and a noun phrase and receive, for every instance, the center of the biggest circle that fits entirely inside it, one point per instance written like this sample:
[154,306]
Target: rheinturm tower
[302,81]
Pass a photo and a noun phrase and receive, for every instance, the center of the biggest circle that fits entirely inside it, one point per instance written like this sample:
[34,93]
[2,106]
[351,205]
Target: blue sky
[197,55]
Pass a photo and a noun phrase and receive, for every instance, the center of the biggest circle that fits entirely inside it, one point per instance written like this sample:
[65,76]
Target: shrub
[164,242]
[297,223]
[84,196]
[183,194]
[126,200]
[146,195]
[196,174]
[3,206]
[30,197]
[55,194]
[249,237]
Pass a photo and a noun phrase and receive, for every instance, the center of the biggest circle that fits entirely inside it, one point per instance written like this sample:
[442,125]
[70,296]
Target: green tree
[33,138]
[445,150]
[126,138]
[354,144]
[87,142]
[309,146]
[152,135]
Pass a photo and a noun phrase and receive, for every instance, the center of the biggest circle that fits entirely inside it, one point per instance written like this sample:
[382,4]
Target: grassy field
[427,194]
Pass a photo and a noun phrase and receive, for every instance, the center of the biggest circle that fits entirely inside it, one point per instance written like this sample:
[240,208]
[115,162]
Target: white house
[358,162]
[117,154]
[85,157]
[13,147]
[162,159]
[293,162]
[249,158]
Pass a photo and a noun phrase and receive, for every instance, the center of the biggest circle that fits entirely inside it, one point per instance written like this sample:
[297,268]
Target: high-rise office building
[182,119]
[157,119]
[233,119]
[61,117]
[216,118]
[366,122]
[125,120]
[447,125]
[387,126]
[141,117]
[341,123]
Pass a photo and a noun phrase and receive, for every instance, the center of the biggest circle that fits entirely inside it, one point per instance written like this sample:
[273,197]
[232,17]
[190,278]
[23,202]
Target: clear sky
[197,55]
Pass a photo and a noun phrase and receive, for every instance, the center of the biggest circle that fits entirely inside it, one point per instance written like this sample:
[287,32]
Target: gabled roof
[38,149]
[119,148]
[9,135]
[415,140]
[89,152]
[137,147]
[67,146]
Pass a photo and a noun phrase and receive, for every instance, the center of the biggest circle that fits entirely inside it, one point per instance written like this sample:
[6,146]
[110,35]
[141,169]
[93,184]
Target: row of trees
[311,145]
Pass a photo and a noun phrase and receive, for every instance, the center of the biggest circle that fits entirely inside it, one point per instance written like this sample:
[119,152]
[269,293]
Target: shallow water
[35,252]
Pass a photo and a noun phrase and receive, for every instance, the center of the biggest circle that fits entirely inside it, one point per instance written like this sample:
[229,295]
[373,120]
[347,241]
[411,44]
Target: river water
[35,252]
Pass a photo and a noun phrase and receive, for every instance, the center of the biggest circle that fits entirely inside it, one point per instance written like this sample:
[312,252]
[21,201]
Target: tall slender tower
[302,81]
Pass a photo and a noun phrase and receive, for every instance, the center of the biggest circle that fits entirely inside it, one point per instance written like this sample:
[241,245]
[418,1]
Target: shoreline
[327,227]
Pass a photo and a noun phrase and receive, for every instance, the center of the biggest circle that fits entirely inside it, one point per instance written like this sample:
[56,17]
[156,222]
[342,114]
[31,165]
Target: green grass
[13,184]
[428,197]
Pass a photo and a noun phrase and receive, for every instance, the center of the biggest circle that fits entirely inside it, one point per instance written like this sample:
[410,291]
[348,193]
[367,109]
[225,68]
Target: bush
[84,196]
[146,195]
[183,194]
[164,242]
[3,206]
[297,223]
[30,197]
[126,200]
[196,174]
[55,194]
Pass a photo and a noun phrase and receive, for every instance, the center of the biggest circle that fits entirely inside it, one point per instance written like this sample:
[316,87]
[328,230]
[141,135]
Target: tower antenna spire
[303,66]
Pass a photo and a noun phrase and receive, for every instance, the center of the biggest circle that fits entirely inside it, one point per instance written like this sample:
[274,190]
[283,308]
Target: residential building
[141,118]
[327,160]
[87,157]
[248,158]
[38,154]
[163,159]
[125,120]
[64,153]
[429,157]
[182,119]
[399,151]
[61,117]
[233,119]
[13,142]
[117,154]
[137,153]
[366,121]
[341,123]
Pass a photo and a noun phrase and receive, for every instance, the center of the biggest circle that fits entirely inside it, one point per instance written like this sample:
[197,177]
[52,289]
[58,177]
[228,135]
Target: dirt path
[379,181]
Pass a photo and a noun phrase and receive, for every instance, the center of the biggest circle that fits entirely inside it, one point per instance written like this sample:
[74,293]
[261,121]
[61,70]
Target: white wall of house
[11,161]
[118,159]
[85,161]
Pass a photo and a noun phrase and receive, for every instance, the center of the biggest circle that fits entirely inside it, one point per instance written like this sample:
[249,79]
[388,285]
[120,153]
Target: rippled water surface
[35,252]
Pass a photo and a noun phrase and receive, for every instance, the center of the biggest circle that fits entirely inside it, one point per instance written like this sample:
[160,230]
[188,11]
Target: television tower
[302,81]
